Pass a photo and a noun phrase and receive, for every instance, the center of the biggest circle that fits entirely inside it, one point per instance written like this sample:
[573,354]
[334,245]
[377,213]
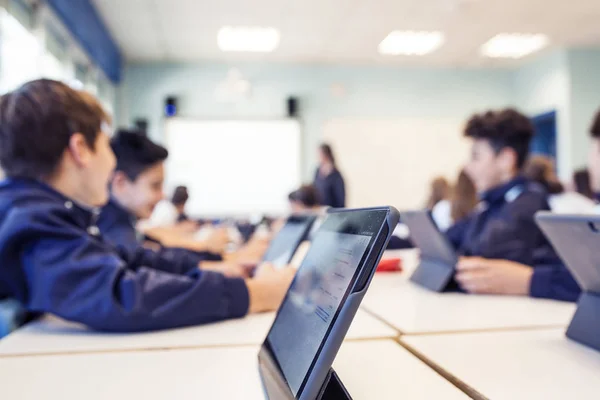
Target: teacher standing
[329,181]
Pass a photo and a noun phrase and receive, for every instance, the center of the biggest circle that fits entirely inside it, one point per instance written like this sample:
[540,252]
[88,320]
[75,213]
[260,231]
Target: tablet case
[438,258]
[576,240]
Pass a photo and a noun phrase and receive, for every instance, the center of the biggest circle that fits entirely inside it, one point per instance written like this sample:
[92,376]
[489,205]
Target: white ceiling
[342,31]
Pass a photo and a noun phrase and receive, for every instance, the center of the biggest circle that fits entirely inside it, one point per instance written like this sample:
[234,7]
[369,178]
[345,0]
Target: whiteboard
[233,168]
[392,161]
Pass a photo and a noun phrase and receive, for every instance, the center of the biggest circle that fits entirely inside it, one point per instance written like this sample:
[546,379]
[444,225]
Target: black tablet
[438,257]
[286,242]
[576,239]
[296,356]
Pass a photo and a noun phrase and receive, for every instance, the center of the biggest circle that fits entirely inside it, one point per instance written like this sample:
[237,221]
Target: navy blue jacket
[55,261]
[117,226]
[504,228]
[331,189]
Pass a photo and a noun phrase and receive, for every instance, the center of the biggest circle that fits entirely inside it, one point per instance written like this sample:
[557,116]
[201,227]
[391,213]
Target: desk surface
[379,369]
[537,364]
[52,335]
[414,310]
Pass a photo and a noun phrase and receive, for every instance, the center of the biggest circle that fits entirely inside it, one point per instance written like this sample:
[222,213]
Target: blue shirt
[331,189]
[54,260]
[504,227]
[117,226]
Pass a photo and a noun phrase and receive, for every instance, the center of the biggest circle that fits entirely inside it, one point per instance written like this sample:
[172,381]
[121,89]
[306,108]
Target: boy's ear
[119,180]
[508,159]
[79,149]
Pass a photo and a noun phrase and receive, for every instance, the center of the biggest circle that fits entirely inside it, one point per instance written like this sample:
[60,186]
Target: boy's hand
[217,241]
[268,287]
[484,276]
[229,269]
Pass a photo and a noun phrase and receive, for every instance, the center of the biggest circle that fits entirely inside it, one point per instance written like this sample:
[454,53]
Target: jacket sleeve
[554,282]
[456,233]
[81,279]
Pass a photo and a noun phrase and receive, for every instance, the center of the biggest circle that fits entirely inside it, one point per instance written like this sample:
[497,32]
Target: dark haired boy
[504,252]
[55,151]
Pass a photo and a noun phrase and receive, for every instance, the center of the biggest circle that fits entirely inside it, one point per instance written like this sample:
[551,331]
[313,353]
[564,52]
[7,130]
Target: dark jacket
[55,261]
[117,226]
[331,189]
[504,227]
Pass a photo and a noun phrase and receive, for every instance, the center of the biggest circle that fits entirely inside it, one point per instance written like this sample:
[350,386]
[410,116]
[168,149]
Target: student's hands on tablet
[485,276]
[268,287]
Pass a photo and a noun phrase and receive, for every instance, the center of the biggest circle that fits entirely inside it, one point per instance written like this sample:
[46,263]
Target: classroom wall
[542,85]
[362,92]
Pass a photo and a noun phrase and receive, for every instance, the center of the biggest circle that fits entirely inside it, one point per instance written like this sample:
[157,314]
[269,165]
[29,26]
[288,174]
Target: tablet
[286,242]
[576,240]
[438,257]
[296,356]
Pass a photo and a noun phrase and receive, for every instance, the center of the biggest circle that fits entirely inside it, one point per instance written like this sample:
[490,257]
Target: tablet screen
[284,244]
[319,288]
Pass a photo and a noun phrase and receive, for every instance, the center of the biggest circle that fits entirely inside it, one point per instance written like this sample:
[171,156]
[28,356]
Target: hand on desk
[229,269]
[268,287]
[217,241]
[484,276]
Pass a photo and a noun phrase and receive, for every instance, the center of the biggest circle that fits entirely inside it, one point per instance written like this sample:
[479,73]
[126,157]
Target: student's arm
[554,282]
[338,190]
[457,232]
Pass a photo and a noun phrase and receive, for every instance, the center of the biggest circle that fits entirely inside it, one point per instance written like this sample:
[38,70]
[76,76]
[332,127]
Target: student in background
[439,203]
[581,183]
[170,212]
[56,154]
[594,157]
[503,251]
[304,199]
[329,182]
[540,169]
[463,199]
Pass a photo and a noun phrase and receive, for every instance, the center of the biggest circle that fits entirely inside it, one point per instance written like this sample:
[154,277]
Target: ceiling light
[513,45]
[248,39]
[411,43]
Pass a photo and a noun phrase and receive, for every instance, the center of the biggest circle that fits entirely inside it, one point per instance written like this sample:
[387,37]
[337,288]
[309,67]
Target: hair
[440,190]
[503,129]
[37,121]
[595,128]
[136,153]
[307,195]
[328,152]
[180,195]
[540,169]
[581,179]
[463,199]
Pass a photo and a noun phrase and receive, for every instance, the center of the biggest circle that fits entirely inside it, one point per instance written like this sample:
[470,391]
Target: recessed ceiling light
[248,39]
[514,45]
[411,43]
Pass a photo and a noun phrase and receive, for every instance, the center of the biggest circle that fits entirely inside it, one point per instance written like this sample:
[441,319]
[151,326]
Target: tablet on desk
[576,239]
[438,257]
[296,356]
[286,242]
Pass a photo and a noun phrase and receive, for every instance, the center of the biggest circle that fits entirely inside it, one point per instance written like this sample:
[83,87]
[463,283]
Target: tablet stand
[333,388]
[432,274]
[585,325]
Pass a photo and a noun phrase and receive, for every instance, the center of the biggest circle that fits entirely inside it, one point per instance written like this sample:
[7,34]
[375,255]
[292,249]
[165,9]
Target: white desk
[370,370]
[538,364]
[52,335]
[414,310]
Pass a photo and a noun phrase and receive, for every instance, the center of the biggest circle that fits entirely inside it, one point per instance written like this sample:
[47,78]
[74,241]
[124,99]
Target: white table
[537,364]
[370,370]
[414,310]
[52,335]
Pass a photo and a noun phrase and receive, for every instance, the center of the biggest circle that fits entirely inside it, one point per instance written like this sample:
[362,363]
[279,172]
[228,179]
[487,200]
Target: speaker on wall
[292,107]
[171,106]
